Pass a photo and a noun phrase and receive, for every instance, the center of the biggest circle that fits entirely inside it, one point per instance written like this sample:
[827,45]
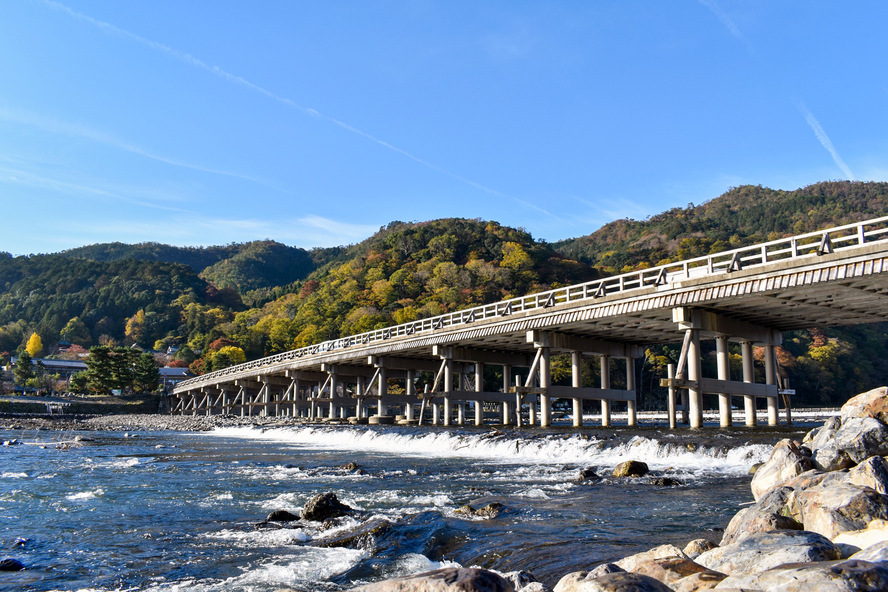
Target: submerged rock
[587,474]
[10,564]
[631,468]
[323,507]
[282,516]
[449,579]
[360,537]
[488,512]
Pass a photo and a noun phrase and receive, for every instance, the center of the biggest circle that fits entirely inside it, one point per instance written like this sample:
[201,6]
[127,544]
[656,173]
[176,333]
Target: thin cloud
[729,23]
[825,141]
[54,126]
[215,70]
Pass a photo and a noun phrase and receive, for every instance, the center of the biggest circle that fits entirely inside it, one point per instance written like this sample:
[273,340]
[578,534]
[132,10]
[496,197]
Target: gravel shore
[137,422]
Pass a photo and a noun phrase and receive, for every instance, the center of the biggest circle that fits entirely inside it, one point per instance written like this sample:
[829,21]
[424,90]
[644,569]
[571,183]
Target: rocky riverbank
[819,521]
[133,422]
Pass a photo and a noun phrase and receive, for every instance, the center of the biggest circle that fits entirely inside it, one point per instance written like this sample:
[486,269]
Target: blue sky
[314,123]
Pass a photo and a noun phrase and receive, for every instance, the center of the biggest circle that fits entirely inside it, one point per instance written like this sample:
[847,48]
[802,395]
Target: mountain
[742,216]
[243,267]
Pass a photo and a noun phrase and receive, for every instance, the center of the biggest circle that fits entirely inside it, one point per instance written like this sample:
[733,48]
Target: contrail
[728,22]
[198,63]
[825,141]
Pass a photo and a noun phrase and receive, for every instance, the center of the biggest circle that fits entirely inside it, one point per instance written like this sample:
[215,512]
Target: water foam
[494,447]
[85,495]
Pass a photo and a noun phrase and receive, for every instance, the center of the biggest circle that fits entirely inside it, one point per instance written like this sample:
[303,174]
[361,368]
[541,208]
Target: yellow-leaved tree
[34,346]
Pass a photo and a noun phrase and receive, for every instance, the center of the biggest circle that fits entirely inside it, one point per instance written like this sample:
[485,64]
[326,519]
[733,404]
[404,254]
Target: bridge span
[837,276]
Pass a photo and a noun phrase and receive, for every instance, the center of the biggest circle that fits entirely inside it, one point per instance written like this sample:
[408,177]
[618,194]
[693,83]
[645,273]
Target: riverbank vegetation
[207,308]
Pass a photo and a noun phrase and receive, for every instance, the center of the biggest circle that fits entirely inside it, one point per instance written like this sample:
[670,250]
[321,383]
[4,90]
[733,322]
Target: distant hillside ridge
[742,216]
[242,267]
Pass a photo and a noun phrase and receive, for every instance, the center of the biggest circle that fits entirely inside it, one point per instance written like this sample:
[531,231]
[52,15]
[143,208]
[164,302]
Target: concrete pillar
[723,360]
[518,403]
[605,384]
[670,397]
[334,384]
[545,375]
[748,376]
[507,382]
[630,386]
[771,378]
[695,373]
[576,372]
[479,387]
[382,386]
[448,390]
[410,388]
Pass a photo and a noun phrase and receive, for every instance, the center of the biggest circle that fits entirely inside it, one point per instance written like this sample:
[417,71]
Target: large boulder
[833,508]
[873,472]
[323,507]
[612,582]
[832,576]
[856,440]
[877,553]
[852,541]
[768,514]
[764,550]
[872,403]
[787,461]
[449,579]
[667,564]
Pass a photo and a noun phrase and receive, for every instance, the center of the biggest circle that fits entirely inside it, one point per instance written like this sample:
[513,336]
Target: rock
[631,468]
[819,437]
[697,547]
[786,462]
[872,403]
[873,472]
[856,440]
[519,579]
[604,569]
[324,506]
[833,508]
[667,564]
[10,564]
[488,512]
[852,541]
[764,550]
[351,466]
[876,553]
[705,580]
[613,582]
[360,537]
[755,467]
[833,576]
[766,515]
[282,516]
[664,481]
[588,474]
[449,579]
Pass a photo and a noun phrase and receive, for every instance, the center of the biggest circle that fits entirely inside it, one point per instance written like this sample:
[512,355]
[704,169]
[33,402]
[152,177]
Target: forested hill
[742,216]
[242,267]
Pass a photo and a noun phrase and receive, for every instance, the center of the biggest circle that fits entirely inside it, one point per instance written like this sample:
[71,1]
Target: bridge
[433,369]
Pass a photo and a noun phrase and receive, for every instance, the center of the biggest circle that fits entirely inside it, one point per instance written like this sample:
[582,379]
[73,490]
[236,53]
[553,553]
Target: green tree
[146,376]
[24,369]
[79,383]
[76,331]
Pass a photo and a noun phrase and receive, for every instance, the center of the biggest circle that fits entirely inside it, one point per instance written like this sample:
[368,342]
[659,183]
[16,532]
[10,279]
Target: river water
[176,511]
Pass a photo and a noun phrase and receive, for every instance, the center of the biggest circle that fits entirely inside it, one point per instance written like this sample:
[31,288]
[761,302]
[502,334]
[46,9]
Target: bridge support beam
[576,373]
[507,383]
[723,361]
[632,416]
[771,378]
[604,364]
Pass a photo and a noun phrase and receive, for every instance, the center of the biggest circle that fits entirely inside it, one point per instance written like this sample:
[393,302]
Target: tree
[146,376]
[24,369]
[34,346]
[76,331]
